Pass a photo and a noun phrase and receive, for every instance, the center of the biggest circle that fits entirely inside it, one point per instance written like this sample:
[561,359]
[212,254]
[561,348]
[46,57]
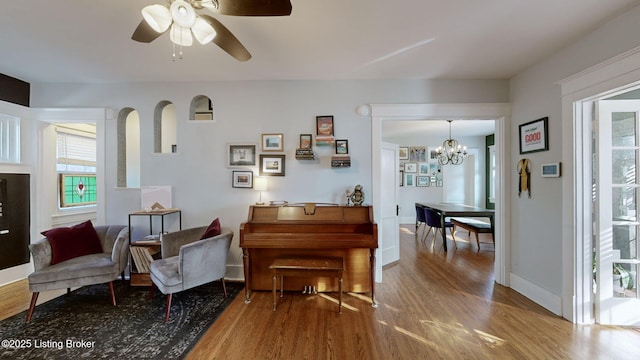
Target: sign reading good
[533,136]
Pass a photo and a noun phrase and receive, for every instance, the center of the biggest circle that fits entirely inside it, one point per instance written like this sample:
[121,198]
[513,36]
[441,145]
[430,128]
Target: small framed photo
[242,179]
[342,147]
[550,170]
[410,167]
[409,179]
[423,168]
[432,154]
[241,155]
[403,153]
[401,180]
[324,125]
[534,136]
[418,154]
[272,142]
[272,165]
[305,141]
[423,180]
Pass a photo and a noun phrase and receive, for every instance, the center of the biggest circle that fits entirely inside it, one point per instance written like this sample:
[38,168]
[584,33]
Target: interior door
[389,224]
[617,208]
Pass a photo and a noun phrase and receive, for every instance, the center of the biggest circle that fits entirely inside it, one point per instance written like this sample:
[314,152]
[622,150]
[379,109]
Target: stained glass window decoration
[77,189]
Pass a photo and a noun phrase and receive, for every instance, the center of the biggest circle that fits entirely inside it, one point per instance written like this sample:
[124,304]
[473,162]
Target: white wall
[243,110]
[536,236]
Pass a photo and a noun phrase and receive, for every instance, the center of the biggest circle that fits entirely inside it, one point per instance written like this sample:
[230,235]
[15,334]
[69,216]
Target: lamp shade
[158,17]
[180,35]
[203,31]
[260,184]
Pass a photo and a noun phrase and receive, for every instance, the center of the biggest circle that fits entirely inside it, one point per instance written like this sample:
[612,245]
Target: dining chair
[420,219]
[433,221]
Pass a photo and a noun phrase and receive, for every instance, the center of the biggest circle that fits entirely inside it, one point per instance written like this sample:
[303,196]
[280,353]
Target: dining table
[449,210]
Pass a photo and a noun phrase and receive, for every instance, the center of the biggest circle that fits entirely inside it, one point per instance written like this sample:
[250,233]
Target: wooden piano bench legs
[303,266]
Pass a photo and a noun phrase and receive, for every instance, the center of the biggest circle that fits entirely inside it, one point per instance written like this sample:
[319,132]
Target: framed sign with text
[534,136]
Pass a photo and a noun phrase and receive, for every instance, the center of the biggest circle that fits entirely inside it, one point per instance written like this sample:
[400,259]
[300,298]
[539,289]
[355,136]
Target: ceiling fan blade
[254,7]
[227,41]
[144,33]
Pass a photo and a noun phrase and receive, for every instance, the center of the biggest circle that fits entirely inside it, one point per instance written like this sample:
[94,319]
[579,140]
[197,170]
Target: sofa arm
[120,251]
[41,252]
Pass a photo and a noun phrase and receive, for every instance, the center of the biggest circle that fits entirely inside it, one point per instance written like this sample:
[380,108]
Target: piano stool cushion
[71,242]
[214,229]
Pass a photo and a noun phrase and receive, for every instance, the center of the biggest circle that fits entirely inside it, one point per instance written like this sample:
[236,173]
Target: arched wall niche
[201,108]
[128,127]
[164,127]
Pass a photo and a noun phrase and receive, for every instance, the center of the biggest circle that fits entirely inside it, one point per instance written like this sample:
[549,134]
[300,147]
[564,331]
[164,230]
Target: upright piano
[310,230]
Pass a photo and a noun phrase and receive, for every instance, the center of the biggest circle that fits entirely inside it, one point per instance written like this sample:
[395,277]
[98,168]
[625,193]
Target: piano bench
[305,266]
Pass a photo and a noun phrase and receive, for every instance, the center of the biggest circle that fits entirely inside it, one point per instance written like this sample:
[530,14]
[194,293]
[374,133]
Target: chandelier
[451,152]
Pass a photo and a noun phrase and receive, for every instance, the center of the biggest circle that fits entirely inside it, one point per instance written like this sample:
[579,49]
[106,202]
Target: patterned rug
[84,324]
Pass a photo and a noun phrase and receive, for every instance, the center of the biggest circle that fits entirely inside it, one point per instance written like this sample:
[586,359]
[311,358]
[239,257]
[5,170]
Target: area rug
[85,325]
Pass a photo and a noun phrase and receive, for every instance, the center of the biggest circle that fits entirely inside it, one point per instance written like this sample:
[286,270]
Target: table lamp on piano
[260,184]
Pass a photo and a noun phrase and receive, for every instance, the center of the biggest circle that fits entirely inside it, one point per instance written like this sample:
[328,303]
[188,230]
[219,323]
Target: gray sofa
[187,261]
[83,270]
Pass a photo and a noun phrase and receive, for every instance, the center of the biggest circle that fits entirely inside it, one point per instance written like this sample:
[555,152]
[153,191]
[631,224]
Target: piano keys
[310,229]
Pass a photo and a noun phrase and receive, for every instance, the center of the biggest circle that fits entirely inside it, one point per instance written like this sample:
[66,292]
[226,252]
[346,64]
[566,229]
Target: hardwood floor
[432,305]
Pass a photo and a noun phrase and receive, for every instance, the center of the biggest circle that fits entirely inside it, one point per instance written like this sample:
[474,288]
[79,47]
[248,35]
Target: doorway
[500,112]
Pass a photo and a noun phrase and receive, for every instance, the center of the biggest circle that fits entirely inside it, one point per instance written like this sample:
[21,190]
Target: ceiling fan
[184,23]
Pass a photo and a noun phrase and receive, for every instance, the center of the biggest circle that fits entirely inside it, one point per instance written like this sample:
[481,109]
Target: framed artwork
[401,180]
[418,154]
[272,142]
[242,179]
[423,169]
[534,136]
[403,153]
[410,167]
[422,180]
[324,125]
[439,183]
[409,179]
[305,141]
[342,147]
[272,165]
[432,154]
[241,155]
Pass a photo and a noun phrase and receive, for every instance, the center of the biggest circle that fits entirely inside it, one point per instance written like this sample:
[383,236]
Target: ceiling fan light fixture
[158,17]
[203,31]
[183,13]
[180,35]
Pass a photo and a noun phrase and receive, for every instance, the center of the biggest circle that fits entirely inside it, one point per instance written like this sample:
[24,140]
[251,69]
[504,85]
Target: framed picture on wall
[409,179]
[272,142]
[241,155]
[272,165]
[422,181]
[410,167]
[242,179]
[342,147]
[403,153]
[534,136]
[324,125]
[305,141]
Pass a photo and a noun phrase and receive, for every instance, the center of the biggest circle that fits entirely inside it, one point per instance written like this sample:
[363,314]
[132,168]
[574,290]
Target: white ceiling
[90,41]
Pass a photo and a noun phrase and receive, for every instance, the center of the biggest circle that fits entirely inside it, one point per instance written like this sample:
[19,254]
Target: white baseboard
[235,273]
[407,220]
[537,294]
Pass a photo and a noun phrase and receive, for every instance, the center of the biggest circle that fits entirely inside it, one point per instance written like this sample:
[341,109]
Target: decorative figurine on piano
[357,196]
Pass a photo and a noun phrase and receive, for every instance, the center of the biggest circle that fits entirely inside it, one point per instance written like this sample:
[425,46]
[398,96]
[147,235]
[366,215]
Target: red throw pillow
[213,230]
[70,242]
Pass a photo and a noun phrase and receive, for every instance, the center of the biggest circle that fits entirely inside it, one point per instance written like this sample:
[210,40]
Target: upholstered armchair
[189,261]
[55,269]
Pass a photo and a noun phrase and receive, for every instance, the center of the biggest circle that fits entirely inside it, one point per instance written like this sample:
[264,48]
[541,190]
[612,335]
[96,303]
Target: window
[492,174]
[76,164]
[9,139]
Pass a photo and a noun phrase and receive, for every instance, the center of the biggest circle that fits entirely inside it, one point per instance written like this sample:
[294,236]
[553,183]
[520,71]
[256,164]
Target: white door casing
[389,242]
